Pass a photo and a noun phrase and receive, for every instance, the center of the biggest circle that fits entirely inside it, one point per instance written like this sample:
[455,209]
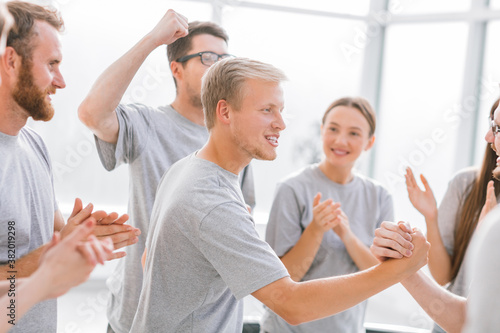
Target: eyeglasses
[207,58]
[495,129]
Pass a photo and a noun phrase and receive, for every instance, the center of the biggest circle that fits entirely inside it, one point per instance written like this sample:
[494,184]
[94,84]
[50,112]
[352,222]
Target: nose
[58,81]
[278,122]
[489,137]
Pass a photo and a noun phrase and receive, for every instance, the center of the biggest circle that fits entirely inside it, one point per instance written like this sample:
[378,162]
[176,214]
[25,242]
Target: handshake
[401,241]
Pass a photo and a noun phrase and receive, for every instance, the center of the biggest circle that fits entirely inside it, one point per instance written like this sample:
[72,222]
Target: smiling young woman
[320,239]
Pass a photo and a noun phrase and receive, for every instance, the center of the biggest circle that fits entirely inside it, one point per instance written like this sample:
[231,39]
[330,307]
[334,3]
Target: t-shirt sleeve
[284,228]
[229,241]
[449,209]
[135,129]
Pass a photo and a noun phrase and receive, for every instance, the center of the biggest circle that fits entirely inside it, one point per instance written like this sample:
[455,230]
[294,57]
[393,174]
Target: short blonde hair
[225,80]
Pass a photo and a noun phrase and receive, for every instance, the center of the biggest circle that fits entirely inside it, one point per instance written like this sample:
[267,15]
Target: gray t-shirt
[459,188]
[204,254]
[483,273]
[366,203]
[150,140]
[27,200]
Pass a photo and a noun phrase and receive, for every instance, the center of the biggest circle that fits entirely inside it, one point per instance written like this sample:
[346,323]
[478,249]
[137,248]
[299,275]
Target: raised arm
[300,257]
[425,203]
[359,252]
[305,301]
[97,111]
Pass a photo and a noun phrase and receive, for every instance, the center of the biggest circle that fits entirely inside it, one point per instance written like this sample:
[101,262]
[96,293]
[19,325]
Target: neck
[12,117]
[186,108]
[336,174]
[223,153]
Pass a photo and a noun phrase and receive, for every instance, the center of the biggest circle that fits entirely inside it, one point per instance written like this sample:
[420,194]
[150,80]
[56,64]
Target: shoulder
[464,177]
[300,177]
[466,174]
[137,111]
[33,139]
[371,184]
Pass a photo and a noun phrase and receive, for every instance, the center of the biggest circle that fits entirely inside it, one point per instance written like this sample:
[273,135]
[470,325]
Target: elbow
[292,312]
[84,114]
[292,317]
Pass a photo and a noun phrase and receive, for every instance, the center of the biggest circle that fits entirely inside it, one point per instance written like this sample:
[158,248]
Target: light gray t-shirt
[366,203]
[483,274]
[27,200]
[150,140]
[459,188]
[204,254]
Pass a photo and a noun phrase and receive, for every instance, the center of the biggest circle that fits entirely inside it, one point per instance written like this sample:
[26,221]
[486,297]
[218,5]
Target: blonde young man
[204,254]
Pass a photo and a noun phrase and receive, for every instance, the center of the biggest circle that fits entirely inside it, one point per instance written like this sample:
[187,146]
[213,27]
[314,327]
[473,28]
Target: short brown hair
[358,103]
[181,46]
[25,14]
[225,80]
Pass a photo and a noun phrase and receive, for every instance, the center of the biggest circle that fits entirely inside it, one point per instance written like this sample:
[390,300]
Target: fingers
[82,215]
[121,235]
[426,183]
[405,227]
[382,252]
[87,251]
[391,241]
[410,178]
[98,249]
[77,207]
[316,199]
[81,233]
[117,255]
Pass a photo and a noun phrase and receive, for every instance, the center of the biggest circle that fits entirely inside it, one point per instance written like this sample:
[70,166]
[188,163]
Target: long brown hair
[471,209]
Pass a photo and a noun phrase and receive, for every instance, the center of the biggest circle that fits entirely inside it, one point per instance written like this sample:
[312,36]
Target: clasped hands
[110,226]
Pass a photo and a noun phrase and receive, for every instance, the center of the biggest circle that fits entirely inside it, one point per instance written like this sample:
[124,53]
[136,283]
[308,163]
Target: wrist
[315,230]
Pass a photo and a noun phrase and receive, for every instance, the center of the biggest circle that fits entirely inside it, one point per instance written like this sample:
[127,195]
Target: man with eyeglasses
[151,139]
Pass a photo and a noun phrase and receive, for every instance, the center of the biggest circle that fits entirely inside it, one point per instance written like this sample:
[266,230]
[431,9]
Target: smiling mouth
[273,140]
[340,152]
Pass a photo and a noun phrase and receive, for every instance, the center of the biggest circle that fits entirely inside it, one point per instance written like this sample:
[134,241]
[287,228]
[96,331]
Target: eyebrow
[352,127]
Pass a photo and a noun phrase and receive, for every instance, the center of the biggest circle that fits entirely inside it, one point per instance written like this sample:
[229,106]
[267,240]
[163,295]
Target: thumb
[77,207]
[317,198]
[425,182]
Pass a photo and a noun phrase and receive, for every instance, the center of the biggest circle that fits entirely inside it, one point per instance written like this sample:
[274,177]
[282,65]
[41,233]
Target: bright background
[429,68]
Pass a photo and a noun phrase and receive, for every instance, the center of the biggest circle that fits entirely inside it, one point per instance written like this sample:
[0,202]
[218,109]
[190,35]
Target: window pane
[319,72]
[359,7]
[495,4]
[427,6]
[421,92]
[489,86]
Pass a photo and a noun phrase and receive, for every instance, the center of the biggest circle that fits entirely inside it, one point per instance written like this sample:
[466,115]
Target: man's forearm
[24,266]
[446,309]
[106,93]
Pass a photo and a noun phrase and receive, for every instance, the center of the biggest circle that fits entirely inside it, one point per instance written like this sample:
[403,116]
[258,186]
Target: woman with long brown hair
[450,228]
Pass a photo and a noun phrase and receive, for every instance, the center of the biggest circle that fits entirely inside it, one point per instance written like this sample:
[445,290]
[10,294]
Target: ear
[371,141]
[177,70]
[10,61]
[223,112]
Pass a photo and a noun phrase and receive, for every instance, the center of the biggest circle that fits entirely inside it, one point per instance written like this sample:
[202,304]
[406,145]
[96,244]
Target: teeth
[272,139]
[339,152]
